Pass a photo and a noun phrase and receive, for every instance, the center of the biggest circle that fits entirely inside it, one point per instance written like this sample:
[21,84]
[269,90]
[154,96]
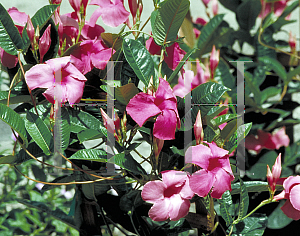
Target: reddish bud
[214,60]
[157,146]
[133,4]
[44,43]
[30,31]
[206,2]
[206,73]
[275,174]
[215,7]
[292,42]
[140,6]
[109,124]
[198,129]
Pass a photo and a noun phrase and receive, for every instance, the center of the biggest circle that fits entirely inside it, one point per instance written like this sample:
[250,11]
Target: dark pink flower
[170,196]
[164,105]
[266,140]
[216,173]
[44,43]
[43,76]
[112,12]
[76,4]
[91,32]
[278,8]
[92,53]
[7,59]
[205,2]
[173,56]
[189,82]
[30,31]
[274,176]
[291,192]
[68,30]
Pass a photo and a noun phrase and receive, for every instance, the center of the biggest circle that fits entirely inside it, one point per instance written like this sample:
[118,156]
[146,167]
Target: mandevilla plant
[171,132]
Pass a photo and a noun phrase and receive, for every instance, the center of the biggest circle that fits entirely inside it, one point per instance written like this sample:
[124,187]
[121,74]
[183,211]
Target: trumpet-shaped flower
[170,196]
[275,174]
[216,173]
[112,12]
[291,192]
[267,140]
[44,76]
[164,105]
[92,53]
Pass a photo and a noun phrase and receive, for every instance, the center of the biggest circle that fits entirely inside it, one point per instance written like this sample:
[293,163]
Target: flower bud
[111,125]
[292,42]
[44,43]
[30,31]
[140,7]
[206,73]
[214,60]
[198,130]
[275,174]
[133,7]
[157,146]
[215,8]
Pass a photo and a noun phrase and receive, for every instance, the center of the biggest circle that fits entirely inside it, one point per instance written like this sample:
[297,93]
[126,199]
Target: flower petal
[201,182]
[40,76]
[164,92]
[160,210]
[222,183]
[294,196]
[290,182]
[141,107]
[165,125]
[290,211]
[216,151]
[179,207]
[173,178]
[153,191]
[198,155]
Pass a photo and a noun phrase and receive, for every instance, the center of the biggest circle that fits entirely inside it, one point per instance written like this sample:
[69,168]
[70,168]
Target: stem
[161,60]
[143,27]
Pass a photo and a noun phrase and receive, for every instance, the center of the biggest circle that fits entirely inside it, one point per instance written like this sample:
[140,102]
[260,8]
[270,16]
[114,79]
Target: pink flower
[214,60]
[278,8]
[92,53]
[68,30]
[216,173]
[7,59]
[44,43]
[173,56]
[164,105]
[91,31]
[291,192]
[43,76]
[275,174]
[189,82]
[198,130]
[170,196]
[76,4]
[39,186]
[267,140]
[112,12]
[67,194]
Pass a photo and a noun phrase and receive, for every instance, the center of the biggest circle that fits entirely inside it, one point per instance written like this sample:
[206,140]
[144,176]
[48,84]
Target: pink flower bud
[214,60]
[292,42]
[44,43]
[274,176]
[157,146]
[140,6]
[206,73]
[109,124]
[133,4]
[198,130]
[215,8]
[30,31]
[206,2]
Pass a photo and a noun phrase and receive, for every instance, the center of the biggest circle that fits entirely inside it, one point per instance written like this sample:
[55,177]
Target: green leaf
[209,134]
[247,12]
[244,200]
[253,225]
[4,95]
[277,219]
[209,94]
[61,179]
[259,169]
[232,5]
[224,118]
[207,32]
[10,159]
[22,156]
[180,65]
[124,93]
[65,128]
[39,132]
[292,154]
[293,72]
[40,18]
[139,59]
[127,162]
[225,202]
[253,186]
[90,155]
[166,21]
[266,38]
[274,65]
[15,121]
[10,38]
[89,134]
[81,120]
[269,92]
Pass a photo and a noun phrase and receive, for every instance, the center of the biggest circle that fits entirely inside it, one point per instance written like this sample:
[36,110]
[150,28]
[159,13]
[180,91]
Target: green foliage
[278,219]
[225,203]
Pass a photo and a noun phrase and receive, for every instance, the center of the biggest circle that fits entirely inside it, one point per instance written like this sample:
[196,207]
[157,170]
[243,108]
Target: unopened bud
[198,129]
[30,31]
[214,60]
[44,43]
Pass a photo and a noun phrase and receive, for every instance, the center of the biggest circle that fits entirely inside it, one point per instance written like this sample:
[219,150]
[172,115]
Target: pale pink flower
[198,129]
[170,196]
[188,82]
[39,186]
[274,176]
[173,55]
[216,173]
[112,12]
[43,76]
[91,53]
[215,7]
[291,192]
[67,194]
[164,105]
[44,43]
[266,140]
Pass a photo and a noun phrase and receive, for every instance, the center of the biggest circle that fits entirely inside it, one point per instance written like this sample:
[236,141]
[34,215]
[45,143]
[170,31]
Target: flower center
[170,191]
